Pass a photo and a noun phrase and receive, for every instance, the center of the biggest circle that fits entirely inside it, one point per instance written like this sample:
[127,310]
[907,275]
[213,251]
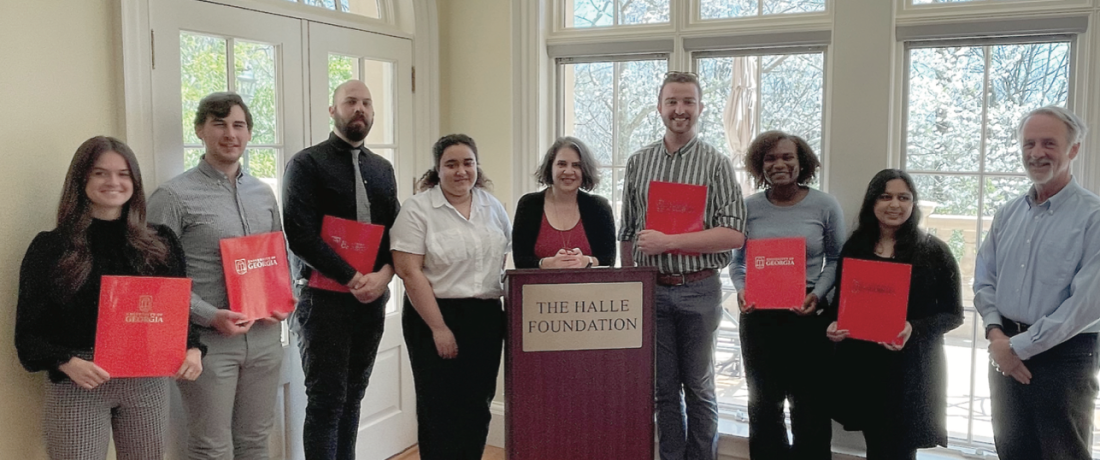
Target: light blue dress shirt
[1040,265]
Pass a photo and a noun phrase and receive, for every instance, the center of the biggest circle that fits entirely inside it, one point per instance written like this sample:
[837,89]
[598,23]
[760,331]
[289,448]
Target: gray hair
[1075,127]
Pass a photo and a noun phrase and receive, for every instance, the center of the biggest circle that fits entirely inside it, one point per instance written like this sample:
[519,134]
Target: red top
[551,240]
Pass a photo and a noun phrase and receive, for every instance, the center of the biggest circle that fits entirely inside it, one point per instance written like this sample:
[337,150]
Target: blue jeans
[687,322]
[1050,418]
[338,340]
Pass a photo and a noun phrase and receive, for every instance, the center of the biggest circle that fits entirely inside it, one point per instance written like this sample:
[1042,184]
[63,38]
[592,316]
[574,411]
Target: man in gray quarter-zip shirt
[230,407]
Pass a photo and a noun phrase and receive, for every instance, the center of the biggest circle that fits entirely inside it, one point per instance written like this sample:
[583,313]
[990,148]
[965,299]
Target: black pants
[338,340]
[453,395]
[883,442]
[1050,418]
[786,358]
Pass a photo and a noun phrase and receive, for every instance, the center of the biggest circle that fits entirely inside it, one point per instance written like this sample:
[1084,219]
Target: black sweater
[599,227]
[48,332]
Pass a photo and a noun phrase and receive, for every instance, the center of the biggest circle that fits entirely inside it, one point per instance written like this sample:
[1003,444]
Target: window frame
[980,173]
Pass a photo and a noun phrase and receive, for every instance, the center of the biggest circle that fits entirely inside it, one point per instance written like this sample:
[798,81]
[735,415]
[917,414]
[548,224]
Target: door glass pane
[205,68]
[191,156]
[378,75]
[368,8]
[255,69]
[203,71]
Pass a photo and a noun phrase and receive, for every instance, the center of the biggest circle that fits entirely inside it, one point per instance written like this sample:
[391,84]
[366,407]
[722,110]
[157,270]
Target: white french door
[200,48]
[285,69]
[387,421]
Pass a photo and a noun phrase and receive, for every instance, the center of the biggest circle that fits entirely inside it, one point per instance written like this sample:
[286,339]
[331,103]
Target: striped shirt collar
[685,150]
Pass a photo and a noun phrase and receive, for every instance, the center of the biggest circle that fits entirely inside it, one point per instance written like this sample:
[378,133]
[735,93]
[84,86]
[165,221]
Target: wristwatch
[992,327]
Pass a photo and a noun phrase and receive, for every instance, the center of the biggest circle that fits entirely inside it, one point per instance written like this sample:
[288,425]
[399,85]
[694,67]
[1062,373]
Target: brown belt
[680,279]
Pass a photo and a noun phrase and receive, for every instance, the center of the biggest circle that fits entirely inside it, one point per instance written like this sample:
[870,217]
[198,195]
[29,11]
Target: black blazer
[599,227]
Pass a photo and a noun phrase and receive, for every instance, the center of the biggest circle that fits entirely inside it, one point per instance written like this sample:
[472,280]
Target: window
[601,13]
[612,106]
[368,8]
[721,9]
[209,64]
[744,95]
[963,105]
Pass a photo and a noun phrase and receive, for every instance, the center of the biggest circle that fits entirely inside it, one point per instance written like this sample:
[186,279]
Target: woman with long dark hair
[101,230]
[564,226]
[448,246]
[896,392]
[786,353]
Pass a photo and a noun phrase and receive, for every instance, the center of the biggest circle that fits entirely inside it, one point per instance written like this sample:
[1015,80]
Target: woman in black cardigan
[896,392]
[562,226]
[101,230]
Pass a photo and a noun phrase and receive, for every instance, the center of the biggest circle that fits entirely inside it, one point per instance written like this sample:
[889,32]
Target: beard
[355,132]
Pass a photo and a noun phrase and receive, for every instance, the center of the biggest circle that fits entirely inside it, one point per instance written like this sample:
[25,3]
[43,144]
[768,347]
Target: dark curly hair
[808,163]
[431,177]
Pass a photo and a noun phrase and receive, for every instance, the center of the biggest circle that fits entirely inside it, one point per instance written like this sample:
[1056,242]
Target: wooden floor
[413,453]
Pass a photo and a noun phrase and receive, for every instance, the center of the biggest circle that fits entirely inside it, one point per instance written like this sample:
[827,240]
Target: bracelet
[589,262]
[540,262]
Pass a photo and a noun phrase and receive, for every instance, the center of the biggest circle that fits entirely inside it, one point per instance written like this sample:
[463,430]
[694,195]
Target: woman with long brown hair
[101,230]
[896,392]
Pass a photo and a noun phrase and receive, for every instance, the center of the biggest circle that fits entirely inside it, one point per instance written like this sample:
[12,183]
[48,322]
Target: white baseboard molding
[496,425]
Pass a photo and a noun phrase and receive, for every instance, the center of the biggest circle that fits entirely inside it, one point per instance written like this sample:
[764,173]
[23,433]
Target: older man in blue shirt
[1037,287]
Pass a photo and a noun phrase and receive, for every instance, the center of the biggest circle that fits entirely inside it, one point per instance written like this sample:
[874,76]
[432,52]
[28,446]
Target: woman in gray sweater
[785,351]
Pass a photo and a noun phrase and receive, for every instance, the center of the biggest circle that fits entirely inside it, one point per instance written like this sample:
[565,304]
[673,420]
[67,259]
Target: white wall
[61,84]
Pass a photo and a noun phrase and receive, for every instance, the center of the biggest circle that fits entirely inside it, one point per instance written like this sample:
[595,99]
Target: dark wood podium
[585,397]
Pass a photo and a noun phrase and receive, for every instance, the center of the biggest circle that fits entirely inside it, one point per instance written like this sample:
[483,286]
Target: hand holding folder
[673,208]
[775,273]
[142,326]
[257,277]
[874,299]
[356,242]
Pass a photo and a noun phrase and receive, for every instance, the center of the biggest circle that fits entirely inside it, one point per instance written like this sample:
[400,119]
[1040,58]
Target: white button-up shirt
[462,258]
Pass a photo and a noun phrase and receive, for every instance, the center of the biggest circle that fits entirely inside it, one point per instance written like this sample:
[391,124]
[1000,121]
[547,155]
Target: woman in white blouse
[448,245]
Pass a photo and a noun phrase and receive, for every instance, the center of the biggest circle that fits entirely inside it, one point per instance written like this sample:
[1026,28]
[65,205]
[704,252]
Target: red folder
[874,297]
[673,208]
[142,325]
[257,276]
[775,273]
[356,242]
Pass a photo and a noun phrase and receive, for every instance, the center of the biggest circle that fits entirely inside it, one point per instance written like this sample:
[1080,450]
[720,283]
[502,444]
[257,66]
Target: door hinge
[414,79]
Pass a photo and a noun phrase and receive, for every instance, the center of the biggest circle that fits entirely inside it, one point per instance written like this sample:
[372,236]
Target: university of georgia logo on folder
[142,326]
[355,242]
[775,273]
[874,298]
[673,208]
[257,277]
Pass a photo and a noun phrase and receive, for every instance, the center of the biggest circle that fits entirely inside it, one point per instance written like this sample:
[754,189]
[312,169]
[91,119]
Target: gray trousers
[231,406]
[79,422]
